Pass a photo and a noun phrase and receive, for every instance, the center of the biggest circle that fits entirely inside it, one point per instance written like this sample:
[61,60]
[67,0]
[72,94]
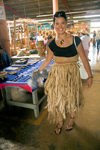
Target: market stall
[17,82]
[22,33]
[25,36]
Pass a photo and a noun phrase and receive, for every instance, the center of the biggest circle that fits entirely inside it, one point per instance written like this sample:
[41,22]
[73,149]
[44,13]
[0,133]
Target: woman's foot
[70,124]
[59,128]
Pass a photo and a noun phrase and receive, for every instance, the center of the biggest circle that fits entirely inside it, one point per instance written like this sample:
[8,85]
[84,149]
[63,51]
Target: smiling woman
[63,85]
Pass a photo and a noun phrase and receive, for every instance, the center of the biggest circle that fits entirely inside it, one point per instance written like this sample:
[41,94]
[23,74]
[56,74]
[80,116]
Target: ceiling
[76,10]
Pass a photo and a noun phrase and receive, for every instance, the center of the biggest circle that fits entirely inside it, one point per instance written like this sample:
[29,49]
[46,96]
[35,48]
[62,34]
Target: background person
[98,41]
[94,39]
[86,43]
[5,59]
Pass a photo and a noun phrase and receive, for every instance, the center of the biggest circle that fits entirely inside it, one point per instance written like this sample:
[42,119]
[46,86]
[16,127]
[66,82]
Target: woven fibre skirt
[63,90]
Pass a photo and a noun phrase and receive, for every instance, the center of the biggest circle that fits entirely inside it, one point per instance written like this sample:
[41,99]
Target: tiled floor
[19,129]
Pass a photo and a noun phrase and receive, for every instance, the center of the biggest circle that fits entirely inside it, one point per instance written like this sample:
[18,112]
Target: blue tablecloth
[22,76]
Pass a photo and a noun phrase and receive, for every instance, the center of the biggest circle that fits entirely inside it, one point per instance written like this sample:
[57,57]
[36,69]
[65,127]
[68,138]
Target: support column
[55,6]
[4,34]
[14,33]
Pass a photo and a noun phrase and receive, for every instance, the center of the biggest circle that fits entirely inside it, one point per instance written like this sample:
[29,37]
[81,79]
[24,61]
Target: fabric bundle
[37,79]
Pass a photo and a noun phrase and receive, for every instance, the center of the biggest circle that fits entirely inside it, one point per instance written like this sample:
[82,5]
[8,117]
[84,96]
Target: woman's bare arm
[48,59]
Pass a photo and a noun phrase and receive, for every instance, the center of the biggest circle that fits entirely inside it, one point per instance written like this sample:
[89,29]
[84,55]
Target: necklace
[62,41]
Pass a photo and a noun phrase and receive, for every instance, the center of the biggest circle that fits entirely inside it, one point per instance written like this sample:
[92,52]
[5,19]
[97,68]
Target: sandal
[58,128]
[70,124]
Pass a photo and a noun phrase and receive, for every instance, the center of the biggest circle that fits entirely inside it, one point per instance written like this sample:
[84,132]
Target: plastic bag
[83,73]
[37,79]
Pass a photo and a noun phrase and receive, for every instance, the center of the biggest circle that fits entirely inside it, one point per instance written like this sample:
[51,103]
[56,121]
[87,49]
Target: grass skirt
[62,87]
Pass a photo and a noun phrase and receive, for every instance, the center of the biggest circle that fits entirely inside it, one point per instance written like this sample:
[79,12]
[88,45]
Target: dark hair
[83,34]
[59,14]
[1,47]
[49,37]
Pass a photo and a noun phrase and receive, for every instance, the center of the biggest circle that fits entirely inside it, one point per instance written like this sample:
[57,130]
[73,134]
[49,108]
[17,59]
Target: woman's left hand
[89,82]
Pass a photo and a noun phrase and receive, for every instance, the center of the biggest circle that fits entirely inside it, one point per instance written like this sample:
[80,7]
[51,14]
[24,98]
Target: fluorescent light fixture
[66,13]
[45,20]
[44,15]
[76,12]
[91,16]
[88,16]
[75,21]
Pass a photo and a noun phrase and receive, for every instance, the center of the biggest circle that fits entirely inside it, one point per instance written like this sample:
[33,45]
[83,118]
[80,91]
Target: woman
[63,84]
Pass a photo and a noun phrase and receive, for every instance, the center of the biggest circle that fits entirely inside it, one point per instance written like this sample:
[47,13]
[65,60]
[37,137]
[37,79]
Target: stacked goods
[40,48]
[3,76]
[78,28]
[24,30]
[13,52]
[46,33]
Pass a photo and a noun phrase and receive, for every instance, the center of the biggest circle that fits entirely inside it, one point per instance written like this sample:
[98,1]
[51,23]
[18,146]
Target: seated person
[5,59]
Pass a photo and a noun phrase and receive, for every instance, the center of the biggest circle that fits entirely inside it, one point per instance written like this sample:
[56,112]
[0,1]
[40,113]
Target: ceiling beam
[12,10]
[24,2]
[66,5]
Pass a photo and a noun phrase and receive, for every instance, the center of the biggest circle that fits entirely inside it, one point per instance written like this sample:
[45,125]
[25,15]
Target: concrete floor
[20,131]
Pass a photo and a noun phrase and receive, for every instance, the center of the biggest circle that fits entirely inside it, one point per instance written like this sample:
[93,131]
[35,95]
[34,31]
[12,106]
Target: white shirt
[40,38]
[85,42]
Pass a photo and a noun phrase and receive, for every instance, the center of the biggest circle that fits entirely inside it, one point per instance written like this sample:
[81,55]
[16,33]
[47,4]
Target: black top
[68,51]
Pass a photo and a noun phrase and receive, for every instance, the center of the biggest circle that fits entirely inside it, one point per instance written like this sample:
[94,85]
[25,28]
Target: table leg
[2,98]
[35,103]
[8,93]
